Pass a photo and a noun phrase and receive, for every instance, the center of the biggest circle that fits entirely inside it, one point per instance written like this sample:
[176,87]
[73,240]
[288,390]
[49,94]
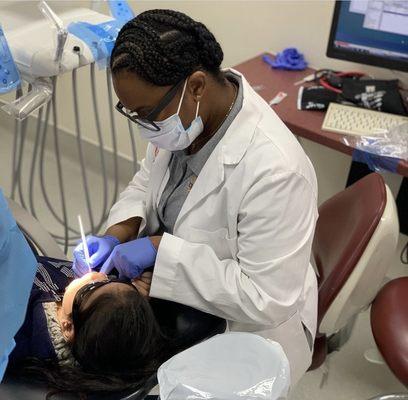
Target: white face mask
[172,136]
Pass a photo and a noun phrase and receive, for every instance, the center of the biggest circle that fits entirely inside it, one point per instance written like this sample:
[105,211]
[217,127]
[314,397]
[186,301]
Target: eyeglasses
[148,121]
[87,289]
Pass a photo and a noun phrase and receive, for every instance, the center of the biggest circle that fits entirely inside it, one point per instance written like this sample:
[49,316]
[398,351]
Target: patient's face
[72,289]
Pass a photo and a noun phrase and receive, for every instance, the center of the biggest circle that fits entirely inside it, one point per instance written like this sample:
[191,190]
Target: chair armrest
[35,232]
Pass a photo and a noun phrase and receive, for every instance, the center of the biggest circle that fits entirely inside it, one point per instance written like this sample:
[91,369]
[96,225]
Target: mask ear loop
[182,97]
[198,107]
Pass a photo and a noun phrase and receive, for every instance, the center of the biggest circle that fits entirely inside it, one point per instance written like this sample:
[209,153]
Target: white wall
[244,29]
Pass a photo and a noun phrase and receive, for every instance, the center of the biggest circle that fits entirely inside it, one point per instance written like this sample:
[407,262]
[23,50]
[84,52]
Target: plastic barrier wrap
[100,38]
[9,76]
[383,151]
[231,366]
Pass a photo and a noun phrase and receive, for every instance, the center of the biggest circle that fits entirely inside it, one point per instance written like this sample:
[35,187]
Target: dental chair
[389,324]
[355,239]
[192,326]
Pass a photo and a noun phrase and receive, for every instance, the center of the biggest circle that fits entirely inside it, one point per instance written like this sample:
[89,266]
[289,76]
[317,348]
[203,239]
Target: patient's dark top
[33,338]
[40,335]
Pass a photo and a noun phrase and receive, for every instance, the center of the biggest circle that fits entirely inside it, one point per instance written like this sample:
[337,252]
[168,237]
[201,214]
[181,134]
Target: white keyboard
[358,121]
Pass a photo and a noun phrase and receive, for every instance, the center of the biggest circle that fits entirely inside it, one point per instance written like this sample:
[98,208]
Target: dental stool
[191,325]
[355,239]
[389,324]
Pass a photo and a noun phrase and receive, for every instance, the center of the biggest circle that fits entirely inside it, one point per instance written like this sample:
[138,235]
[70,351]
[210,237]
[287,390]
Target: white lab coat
[242,241]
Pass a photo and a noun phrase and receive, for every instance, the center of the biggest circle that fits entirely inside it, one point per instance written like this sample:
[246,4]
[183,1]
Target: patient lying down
[101,334]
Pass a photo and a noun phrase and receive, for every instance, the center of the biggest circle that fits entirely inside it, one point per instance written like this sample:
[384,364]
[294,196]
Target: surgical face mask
[172,135]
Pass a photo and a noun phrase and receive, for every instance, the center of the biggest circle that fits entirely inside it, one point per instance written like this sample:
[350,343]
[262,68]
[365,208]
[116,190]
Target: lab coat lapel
[229,151]
[160,165]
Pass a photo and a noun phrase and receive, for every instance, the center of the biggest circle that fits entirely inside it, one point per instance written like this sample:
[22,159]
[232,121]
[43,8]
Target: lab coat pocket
[219,240]
[291,336]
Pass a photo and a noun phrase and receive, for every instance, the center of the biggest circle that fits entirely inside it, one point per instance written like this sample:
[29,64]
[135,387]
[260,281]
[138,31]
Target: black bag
[315,98]
[379,95]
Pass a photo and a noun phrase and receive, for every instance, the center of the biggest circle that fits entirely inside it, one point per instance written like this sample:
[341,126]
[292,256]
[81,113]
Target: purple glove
[99,250]
[131,258]
[289,59]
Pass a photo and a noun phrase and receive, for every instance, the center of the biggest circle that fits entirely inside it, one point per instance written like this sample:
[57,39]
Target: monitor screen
[371,32]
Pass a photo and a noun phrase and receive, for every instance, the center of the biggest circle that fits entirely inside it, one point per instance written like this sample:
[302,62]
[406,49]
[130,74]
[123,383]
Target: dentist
[224,204]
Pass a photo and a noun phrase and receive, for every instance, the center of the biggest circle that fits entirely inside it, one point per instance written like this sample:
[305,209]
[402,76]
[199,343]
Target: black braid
[165,46]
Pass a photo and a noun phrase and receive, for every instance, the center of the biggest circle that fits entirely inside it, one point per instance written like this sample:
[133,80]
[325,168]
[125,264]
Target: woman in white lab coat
[224,203]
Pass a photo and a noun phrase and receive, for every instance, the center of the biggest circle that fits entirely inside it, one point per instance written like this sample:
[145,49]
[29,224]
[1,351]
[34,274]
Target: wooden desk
[306,124]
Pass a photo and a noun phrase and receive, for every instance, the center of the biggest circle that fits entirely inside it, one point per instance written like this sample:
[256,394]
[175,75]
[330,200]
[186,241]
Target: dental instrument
[84,243]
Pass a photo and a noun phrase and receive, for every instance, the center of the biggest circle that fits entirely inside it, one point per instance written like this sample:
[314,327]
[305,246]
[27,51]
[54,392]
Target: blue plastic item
[9,76]
[131,258]
[17,270]
[121,10]
[382,151]
[100,38]
[289,59]
[376,162]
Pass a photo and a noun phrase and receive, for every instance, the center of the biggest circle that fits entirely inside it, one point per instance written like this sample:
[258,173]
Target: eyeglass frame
[85,291]
[148,121]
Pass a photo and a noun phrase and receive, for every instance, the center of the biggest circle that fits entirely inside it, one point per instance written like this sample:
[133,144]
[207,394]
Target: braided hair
[165,46]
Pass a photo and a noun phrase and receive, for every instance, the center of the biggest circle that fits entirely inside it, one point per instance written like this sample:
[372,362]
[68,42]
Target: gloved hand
[131,258]
[99,250]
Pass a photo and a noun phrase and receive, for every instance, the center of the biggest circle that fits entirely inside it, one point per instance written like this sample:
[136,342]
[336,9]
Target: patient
[101,334]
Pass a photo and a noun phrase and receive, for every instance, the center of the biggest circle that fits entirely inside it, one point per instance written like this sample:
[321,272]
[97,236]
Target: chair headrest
[186,325]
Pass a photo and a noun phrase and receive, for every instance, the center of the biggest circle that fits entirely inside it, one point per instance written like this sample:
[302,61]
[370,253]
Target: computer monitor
[373,32]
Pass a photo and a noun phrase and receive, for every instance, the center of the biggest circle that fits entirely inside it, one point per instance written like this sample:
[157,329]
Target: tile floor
[351,377]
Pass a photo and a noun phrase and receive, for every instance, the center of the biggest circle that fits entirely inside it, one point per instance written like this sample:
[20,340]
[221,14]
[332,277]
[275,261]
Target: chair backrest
[356,235]
[37,236]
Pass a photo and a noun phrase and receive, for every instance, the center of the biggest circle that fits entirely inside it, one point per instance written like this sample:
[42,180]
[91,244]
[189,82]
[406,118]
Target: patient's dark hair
[117,333]
[118,345]
[165,46]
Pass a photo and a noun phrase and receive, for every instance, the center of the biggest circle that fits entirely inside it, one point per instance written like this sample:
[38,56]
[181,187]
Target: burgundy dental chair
[389,324]
[356,237]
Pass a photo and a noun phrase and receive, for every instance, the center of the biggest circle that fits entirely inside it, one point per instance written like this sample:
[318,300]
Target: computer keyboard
[358,121]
